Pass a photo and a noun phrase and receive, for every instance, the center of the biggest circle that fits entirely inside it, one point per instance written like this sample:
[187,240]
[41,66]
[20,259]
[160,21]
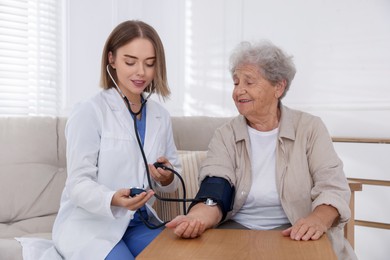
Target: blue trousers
[135,239]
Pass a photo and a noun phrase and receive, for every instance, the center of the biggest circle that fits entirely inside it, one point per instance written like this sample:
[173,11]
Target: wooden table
[236,244]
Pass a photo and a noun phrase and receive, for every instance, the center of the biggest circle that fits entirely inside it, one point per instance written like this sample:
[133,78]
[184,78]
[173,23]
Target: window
[30,57]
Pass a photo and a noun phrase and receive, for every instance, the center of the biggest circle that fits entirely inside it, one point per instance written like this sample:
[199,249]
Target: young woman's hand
[165,177]
[122,198]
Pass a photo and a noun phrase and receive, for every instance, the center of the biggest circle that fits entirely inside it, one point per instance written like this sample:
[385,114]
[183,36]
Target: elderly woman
[271,167]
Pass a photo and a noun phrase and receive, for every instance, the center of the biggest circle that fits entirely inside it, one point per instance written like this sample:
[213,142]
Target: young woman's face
[135,66]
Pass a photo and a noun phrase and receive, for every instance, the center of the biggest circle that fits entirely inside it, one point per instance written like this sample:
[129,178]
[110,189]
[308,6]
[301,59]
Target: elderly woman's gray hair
[273,64]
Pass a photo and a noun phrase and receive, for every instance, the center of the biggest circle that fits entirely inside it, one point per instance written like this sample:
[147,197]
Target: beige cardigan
[308,170]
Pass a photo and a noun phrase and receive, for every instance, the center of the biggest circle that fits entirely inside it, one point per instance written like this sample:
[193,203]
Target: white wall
[340,48]
[88,25]
[369,161]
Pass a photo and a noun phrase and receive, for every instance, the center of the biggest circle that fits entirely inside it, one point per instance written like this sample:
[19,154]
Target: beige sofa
[33,173]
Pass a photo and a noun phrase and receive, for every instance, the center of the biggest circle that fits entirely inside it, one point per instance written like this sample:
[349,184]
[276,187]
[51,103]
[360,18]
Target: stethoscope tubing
[134,117]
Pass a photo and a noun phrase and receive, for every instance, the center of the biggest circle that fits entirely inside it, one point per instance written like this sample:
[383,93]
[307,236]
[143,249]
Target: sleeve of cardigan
[330,186]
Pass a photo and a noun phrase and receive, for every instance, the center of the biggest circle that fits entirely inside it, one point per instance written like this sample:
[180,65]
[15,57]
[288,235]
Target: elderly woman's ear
[280,87]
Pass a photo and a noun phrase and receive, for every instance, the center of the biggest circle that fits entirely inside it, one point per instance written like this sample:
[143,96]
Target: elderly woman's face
[253,94]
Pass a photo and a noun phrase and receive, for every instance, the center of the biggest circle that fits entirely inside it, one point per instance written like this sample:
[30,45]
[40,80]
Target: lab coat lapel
[153,118]
[119,109]
[153,125]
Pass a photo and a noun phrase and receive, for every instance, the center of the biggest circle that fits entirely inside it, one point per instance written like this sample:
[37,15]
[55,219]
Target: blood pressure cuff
[219,190]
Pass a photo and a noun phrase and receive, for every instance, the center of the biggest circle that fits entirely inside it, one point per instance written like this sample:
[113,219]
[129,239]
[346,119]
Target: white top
[262,209]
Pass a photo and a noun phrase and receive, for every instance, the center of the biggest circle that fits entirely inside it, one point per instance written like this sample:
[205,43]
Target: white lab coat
[103,156]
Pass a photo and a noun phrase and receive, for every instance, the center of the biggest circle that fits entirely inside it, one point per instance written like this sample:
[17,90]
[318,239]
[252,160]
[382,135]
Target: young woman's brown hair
[125,33]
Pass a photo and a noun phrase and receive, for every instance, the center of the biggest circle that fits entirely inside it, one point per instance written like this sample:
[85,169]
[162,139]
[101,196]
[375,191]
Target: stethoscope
[156,164]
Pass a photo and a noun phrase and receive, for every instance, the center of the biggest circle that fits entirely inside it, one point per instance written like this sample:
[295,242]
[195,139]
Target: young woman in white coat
[97,217]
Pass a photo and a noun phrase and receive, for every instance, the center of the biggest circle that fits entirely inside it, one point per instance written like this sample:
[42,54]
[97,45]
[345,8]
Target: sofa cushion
[31,190]
[11,249]
[27,227]
[28,140]
[191,161]
[32,176]
[193,133]
[61,124]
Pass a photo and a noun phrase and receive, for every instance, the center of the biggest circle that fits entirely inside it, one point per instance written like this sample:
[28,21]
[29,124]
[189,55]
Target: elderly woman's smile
[255,97]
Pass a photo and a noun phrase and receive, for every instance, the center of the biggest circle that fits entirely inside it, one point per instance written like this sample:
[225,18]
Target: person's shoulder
[237,120]
[302,118]
[157,108]
[296,113]
[233,124]
[89,105]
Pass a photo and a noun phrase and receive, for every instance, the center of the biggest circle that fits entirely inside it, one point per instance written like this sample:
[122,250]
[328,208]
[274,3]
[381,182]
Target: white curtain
[30,57]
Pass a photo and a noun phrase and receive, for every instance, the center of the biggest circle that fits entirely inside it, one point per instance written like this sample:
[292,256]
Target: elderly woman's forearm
[327,213]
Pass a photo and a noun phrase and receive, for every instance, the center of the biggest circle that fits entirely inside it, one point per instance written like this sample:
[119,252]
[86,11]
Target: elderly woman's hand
[187,226]
[313,226]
